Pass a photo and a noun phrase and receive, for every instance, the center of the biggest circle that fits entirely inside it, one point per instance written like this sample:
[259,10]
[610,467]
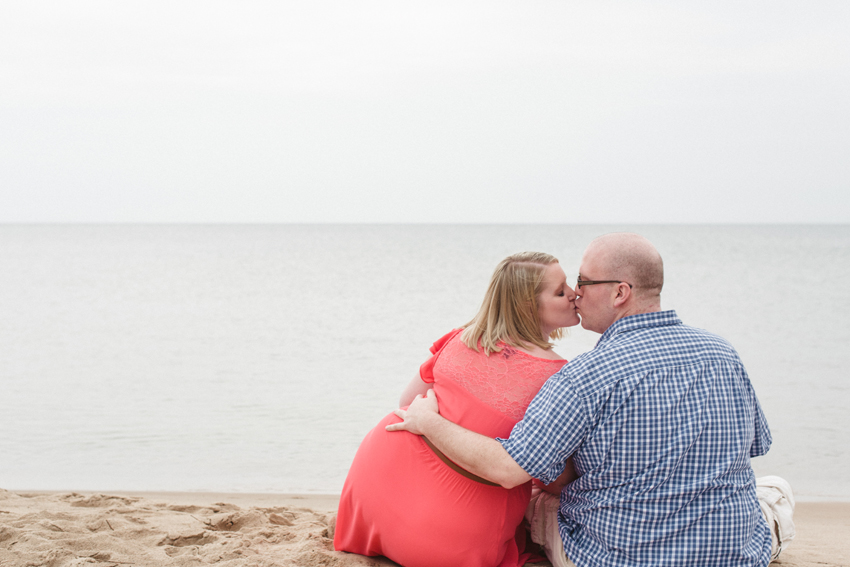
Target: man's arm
[558,485]
[476,453]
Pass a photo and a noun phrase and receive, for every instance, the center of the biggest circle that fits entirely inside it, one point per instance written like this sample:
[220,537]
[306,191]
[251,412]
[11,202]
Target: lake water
[252,358]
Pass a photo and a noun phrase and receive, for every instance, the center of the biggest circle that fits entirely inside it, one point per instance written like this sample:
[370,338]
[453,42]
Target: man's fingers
[401,414]
[411,417]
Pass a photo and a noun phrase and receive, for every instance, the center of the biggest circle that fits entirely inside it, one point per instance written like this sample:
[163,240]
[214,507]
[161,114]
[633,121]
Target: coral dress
[401,501]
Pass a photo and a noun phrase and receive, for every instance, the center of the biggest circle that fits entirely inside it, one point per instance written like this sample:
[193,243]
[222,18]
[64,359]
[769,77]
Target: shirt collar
[640,321]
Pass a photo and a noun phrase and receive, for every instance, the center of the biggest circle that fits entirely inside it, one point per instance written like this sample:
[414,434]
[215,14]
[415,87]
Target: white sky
[398,111]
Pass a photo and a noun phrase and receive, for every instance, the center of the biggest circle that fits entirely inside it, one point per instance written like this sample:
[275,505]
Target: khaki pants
[775,500]
[542,516]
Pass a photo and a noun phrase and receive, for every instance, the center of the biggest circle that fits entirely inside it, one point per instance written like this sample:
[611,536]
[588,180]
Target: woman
[405,500]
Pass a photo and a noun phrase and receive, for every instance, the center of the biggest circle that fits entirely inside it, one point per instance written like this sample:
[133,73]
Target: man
[659,419]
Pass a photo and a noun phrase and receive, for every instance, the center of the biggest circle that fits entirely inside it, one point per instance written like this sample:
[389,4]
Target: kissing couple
[635,453]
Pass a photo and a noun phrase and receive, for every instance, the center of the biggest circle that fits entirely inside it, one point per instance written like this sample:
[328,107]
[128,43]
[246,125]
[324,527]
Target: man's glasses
[580,282]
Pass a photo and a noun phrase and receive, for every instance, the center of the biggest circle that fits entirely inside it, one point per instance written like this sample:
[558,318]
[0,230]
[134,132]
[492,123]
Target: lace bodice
[507,380]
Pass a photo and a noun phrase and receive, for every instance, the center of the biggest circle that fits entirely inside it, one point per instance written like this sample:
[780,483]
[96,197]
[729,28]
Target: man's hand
[416,416]
[476,453]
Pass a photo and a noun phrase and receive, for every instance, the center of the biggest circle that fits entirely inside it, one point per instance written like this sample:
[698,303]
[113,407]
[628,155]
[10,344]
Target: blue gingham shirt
[662,421]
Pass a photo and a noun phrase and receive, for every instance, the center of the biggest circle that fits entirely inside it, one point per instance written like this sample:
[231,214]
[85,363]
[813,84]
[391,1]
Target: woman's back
[497,387]
[400,500]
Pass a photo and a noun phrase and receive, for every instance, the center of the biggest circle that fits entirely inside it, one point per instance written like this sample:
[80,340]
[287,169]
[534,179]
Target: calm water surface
[255,358]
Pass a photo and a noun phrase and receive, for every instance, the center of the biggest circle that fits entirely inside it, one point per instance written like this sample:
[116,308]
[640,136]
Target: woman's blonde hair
[509,312]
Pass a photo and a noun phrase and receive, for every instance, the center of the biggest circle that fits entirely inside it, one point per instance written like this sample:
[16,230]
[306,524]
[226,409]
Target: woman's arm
[415,388]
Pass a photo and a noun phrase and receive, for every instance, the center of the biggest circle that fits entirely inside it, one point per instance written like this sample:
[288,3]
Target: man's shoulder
[643,348]
[664,330]
[706,342]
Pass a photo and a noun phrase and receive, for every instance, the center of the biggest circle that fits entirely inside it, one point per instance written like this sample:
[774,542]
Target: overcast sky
[398,111]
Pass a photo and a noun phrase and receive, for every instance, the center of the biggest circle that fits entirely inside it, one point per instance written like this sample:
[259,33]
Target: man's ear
[624,292]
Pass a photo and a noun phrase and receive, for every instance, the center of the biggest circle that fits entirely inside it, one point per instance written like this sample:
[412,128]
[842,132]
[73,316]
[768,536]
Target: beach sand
[62,529]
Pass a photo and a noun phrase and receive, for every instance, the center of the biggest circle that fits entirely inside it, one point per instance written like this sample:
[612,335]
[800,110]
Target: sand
[263,530]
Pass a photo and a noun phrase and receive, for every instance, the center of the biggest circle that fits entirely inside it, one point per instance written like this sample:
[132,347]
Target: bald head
[630,258]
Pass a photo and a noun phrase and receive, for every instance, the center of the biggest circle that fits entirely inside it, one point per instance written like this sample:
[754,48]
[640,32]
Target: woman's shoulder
[507,359]
[535,352]
[444,340]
